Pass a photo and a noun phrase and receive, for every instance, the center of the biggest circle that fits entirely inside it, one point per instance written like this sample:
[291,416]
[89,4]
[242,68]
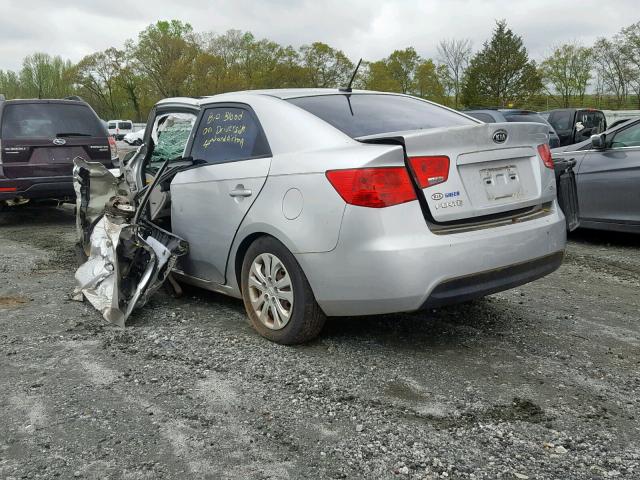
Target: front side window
[125,125]
[360,115]
[48,120]
[170,135]
[227,134]
[629,137]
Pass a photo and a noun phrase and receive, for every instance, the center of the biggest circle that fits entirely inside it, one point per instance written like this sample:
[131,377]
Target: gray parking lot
[537,382]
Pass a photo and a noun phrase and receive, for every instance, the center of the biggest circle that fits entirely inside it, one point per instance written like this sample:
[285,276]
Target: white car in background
[134,138]
[119,128]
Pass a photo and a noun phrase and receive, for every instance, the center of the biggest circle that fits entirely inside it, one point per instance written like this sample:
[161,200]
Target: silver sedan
[309,203]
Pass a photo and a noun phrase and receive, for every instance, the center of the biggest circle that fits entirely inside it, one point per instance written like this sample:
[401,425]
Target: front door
[609,180]
[208,202]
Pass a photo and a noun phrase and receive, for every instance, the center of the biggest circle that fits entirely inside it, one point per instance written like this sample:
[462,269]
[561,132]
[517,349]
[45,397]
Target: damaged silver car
[308,203]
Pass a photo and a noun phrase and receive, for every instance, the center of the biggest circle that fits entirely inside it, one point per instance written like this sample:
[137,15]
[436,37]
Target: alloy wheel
[270,291]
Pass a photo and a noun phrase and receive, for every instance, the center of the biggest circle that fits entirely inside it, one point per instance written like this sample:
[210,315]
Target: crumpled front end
[129,257]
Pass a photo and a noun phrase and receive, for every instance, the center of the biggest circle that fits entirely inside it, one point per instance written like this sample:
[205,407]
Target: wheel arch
[244,238]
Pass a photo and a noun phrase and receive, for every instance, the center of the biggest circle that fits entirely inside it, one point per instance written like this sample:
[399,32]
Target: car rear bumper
[384,263]
[37,188]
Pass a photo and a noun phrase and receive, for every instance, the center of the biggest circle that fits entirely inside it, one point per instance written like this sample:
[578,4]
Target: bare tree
[630,38]
[613,68]
[455,54]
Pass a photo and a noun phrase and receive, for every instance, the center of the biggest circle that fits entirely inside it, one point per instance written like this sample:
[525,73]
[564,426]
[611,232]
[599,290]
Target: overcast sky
[362,28]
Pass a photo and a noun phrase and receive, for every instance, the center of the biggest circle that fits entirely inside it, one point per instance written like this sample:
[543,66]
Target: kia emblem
[500,136]
[437,196]
[59,141]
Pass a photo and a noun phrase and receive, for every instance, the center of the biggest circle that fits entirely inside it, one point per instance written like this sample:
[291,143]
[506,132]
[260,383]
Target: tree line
[170,59]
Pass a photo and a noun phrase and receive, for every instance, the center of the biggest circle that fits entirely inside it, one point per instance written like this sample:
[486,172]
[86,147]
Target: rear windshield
[48,120]
[525,117]
[359,115]
[483,117]
[125,125]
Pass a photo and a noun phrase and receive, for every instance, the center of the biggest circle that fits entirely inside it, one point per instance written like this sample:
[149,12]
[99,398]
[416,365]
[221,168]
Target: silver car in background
[309,203]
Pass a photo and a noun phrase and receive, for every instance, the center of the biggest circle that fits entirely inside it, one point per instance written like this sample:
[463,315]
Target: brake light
[430,171]
[8,189]
[113,147]
[373,187]
[545,154]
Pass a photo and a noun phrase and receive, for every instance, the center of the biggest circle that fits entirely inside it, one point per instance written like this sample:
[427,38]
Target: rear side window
[359,115]
[227,134]
[48,120]
[561,120]
[125,125]
[112,126]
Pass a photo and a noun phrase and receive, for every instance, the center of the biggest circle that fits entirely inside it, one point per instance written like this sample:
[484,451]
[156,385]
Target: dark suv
[575,125]
[39,140]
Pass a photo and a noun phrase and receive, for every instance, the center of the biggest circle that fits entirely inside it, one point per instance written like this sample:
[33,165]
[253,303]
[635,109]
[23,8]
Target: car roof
[44,101]
[281,93]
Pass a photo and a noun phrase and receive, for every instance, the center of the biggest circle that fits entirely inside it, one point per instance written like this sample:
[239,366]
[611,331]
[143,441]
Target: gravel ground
[539,382]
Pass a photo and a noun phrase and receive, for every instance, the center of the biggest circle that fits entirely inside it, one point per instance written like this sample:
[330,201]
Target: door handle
[240,191]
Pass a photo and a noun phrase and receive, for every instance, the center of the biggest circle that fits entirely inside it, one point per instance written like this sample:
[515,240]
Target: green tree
[96,78]
[325,66]
[402,65]
[567,72]
[428,84]
[379,78]
[44,76]
[10,84]
[501,73]
[165,54]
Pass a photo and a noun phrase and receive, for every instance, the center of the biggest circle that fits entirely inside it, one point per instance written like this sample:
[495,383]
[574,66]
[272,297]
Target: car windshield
[48,120]
[360,115]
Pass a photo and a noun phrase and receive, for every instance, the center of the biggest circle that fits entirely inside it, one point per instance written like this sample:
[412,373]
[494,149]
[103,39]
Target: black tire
[306,318]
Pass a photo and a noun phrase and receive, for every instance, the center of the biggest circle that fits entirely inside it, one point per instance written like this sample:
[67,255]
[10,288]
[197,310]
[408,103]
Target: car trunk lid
[493,168]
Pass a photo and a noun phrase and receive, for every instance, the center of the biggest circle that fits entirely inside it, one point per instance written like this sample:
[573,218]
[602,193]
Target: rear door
[41,139]
[208,202]
[609,180]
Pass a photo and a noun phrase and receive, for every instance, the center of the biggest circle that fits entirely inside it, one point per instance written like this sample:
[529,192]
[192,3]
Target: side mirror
[598,141]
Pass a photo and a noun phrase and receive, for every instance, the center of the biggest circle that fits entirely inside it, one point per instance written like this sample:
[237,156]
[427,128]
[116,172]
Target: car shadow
[37,214]
[447,326]
[604,238]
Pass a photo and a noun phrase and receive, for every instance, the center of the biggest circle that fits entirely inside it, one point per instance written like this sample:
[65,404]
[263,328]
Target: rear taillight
[373,187]
[430,171]
[113,147]
[545,154]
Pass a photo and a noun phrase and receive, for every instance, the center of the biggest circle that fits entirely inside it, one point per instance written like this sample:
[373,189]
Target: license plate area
[501,183]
